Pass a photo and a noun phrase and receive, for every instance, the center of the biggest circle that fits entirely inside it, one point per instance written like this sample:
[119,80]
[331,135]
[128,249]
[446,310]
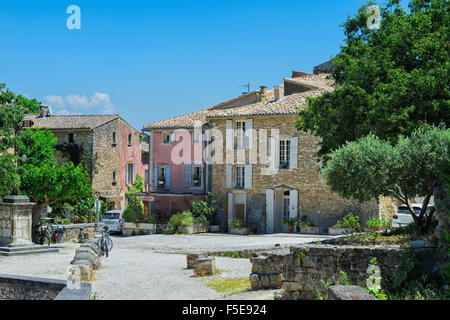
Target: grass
[229,286]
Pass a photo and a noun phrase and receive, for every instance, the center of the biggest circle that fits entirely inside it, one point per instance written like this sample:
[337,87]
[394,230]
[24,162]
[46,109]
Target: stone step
[27,250]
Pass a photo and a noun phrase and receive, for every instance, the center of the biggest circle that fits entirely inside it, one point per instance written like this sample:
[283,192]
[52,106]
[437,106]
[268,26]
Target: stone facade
[315,199]
[113,156]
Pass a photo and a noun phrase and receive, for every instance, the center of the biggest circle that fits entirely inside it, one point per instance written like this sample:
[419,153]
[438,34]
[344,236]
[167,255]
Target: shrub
[179,220]
[290,222]
[303,223]
[350,221]
[236,223]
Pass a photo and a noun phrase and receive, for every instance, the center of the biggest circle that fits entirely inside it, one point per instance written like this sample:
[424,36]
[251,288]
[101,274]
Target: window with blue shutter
[168,178]
[155,177]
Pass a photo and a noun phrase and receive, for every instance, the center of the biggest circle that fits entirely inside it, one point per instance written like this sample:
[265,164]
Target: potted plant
[348,225]
[290,223]
[284,165]
[306,227]
[239,227]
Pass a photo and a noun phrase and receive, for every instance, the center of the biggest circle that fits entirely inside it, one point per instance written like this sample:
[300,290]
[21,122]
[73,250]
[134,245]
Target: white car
[114,220]
[403,217]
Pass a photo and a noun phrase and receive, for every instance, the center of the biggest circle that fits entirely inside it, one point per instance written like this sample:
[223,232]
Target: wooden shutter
[249,134]
[293,161]
[230,210]
[248,177]
[168,178]
[293,204]
[126,174]
[229,176]
[187,175]
[155,177]
[270,211]
[229,135]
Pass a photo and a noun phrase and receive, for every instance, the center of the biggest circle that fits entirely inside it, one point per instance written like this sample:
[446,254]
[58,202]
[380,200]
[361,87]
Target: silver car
[403,217]
[114,220]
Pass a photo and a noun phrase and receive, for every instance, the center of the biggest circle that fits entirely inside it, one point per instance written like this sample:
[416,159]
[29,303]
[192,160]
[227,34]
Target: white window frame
[166,134]
[240,127]
[239,176]
[285,152]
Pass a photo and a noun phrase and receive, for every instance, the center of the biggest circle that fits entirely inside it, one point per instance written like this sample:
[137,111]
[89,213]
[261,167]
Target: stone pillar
[16,221]
[441,201]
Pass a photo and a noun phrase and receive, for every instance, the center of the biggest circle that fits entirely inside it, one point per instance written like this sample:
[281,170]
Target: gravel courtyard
[154,267]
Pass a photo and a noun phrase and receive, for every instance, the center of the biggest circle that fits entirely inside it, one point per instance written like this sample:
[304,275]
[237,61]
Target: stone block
[192,257]
[292,286]
[205,267]
[348,293]
[81,273]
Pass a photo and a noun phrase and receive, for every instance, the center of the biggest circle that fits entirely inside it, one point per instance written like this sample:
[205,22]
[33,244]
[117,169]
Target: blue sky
[150,60]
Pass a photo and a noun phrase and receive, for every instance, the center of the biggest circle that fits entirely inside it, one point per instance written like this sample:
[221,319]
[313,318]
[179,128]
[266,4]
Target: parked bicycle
[105,242]
[49,233]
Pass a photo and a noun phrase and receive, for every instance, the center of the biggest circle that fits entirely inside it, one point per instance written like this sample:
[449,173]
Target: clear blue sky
[150,60]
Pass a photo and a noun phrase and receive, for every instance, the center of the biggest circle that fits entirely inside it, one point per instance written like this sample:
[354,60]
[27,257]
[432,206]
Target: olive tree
[371,167]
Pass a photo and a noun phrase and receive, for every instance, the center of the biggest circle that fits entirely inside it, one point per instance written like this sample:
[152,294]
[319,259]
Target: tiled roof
[187,121]
[288,105]
[313,81]
[71,122]
[326,67]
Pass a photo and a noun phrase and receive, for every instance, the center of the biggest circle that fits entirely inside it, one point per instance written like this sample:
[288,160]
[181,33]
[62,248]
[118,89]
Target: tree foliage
[11,118]
[389,81]
[44,181]
[134,211]
[372,167]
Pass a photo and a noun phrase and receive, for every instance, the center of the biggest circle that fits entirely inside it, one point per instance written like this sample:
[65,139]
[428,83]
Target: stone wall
[267,270]
[309,267]
[83,138]
[315,201]
[27,288]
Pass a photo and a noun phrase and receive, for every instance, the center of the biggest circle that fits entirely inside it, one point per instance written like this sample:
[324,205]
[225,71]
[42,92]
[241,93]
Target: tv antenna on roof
[246,86]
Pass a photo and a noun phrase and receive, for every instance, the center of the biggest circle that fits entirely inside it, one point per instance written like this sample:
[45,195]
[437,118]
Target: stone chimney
[278,93]
[263,94]
[45,111]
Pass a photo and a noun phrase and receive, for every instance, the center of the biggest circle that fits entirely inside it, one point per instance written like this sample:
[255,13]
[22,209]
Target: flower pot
[160,182]
[291,229]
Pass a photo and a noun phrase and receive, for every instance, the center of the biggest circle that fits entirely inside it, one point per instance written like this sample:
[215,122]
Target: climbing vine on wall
[71,150]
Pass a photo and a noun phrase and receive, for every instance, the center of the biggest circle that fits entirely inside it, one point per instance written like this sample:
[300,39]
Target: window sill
[114,145]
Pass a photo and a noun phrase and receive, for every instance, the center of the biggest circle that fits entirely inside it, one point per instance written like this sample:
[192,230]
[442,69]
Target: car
[114,220]
[403,217]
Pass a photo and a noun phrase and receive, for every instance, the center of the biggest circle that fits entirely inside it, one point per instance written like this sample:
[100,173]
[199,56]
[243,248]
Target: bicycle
[49,234]
[105,243]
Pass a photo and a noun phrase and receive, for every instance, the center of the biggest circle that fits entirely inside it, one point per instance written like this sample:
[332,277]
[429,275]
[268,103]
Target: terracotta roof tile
[288,105]
[70,122]
[187,121]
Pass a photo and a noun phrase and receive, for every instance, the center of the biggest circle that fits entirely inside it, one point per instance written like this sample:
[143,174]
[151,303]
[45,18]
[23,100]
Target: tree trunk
[36,218]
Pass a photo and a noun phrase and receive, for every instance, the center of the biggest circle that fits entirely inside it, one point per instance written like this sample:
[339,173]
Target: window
[285,151]
[196,176]
[114,177]
[130,136]
[161,176]
[114,139]
[240,177]
[239,135]
[130,174]
[167,137]
[70,138]
[197,137]
[286,199]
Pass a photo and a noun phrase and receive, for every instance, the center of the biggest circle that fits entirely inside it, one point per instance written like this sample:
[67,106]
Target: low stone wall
[267,270]
[73,230]
[85,261]
[348,293]
[309,267]
[27,288]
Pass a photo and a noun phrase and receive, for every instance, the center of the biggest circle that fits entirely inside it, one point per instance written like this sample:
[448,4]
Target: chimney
[278,93]
[263,94]
[45,111]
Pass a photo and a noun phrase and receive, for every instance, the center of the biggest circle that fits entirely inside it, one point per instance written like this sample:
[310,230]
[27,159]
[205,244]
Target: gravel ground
[153,267]
[48,265]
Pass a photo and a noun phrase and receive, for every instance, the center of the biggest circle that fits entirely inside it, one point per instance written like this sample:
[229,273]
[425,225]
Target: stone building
[270,171]
[119,148]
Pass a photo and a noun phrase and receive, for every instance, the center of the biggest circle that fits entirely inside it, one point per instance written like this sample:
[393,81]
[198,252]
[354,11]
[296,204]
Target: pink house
[178,174]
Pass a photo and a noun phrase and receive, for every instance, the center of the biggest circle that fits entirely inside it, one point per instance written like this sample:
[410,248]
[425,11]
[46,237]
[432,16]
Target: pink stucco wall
[163,155]
[130,154]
